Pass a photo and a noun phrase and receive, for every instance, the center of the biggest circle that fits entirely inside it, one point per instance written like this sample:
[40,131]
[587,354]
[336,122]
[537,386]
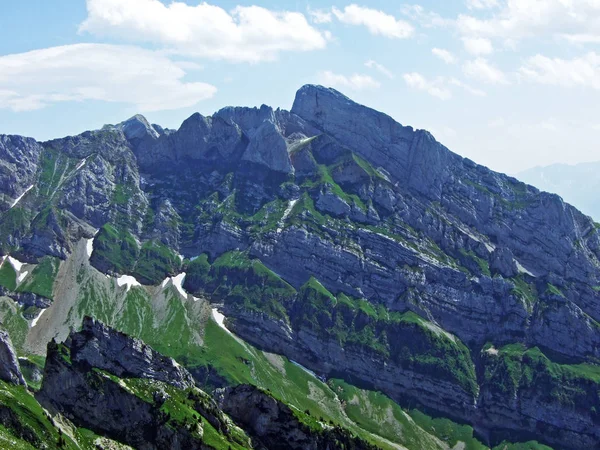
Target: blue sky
[508,83]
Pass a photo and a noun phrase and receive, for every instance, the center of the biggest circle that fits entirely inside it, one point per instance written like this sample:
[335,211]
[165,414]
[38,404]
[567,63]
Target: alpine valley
[319,278]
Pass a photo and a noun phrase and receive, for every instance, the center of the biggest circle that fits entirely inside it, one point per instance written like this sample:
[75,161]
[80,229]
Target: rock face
[376,211]
[103,399]
[274,424]
[9,364]
[107,349]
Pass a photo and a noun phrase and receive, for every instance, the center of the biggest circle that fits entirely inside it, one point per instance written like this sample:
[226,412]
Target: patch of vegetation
[12,320]
[8,275]
[41,279]
[115,249]
[156,261]
[30,426]
[417,345]
[525,290]
[551,289]
[517,369]
[484,266]
[240,281]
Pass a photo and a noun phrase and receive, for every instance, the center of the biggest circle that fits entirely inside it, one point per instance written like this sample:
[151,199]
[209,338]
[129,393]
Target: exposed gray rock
[330,203]
[9,364]
[19,158]
[276,426]
[503,262]
[268,148]
[105,348]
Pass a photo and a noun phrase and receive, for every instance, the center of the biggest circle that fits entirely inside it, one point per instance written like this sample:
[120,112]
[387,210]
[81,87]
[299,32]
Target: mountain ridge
[337,237]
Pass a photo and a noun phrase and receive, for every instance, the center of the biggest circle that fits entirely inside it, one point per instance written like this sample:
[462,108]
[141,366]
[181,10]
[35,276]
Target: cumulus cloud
[146,79]
[435,88]
[380,68]
[482,70]
[246,33]
[444,55]
[582,71]
[478,46]
[377,22]
[355,82]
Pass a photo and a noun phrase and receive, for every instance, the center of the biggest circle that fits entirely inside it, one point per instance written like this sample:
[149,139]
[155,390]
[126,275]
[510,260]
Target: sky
[510,84]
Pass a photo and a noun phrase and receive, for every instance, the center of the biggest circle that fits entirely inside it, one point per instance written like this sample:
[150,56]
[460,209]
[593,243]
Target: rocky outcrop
[99,346]
[19,159]
[9,364]
[122,389]
[275,426]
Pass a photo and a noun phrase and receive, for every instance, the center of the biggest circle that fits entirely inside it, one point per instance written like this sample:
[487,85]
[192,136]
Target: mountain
[407,280]
[578,183]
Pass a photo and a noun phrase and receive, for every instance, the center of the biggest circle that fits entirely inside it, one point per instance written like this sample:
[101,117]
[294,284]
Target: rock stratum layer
[334,235]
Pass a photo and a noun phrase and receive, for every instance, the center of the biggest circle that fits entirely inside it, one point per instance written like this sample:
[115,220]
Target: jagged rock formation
[127,395]
[107,349]
[9,364]
[275,426]
[408,242]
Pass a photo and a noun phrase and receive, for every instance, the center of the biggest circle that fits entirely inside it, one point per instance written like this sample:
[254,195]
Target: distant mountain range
[578,184]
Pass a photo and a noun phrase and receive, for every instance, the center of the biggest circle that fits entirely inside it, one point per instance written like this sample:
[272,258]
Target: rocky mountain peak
[137,127]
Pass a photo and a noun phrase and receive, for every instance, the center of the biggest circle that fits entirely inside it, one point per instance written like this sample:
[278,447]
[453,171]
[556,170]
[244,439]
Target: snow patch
[127,280]
[492,351]
[18,265]
[22,276]
[220,319]
[180,258]
[36,318]
[286,213]
[18,199]
[177,282]
[89,247]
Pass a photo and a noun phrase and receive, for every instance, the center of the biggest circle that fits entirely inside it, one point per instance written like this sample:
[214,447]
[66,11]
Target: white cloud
[435,88]
[478,46]
[319,15]
[482,70]
[444,55]
[149,80]
[377,22]
[482,4]
[355,82]
[517,19]
[247,33]
[582,71]
[380,68]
